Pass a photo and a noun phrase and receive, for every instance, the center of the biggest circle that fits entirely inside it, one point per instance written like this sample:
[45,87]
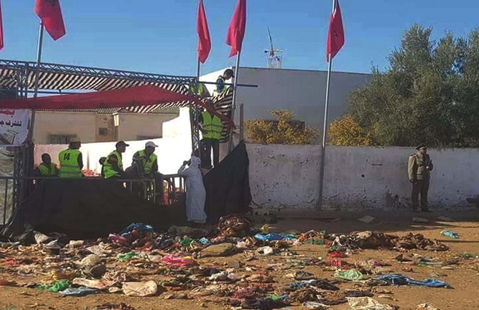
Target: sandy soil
[464,278]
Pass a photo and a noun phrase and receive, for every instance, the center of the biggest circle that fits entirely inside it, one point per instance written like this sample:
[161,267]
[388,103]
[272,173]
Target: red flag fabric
[204,39]
[237,28]
[335,33]
[50,13]
[1,27]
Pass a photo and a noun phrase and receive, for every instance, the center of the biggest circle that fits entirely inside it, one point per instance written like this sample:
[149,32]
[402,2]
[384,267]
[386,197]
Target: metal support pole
[241,122]
[325,128]
[323,144]
[37,73]
[233,106]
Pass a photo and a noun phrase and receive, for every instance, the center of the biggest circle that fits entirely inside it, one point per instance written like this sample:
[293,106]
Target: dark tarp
[86,209]
[227,185]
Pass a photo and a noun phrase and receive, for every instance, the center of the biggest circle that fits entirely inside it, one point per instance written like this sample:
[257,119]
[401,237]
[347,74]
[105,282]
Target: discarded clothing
[450,234]
[234,226]
[57,287]
[350,275]
[79,291]
[269,237]
[366,303]
[399,279]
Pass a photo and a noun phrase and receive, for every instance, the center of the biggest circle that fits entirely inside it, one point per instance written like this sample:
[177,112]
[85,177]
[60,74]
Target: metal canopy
[20,74]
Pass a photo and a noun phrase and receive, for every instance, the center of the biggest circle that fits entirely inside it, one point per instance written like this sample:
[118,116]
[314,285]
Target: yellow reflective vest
[46,171]
[108,170]
[147,162]
[69,168]
[212,124]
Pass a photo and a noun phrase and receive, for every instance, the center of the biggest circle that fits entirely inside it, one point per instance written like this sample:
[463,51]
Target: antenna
[275,56]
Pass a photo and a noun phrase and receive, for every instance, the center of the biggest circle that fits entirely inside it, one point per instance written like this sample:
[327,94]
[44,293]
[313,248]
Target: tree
[285,130]
[429,93]
[345,131]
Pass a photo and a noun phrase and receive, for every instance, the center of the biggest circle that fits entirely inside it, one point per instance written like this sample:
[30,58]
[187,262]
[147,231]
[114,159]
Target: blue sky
[160,35]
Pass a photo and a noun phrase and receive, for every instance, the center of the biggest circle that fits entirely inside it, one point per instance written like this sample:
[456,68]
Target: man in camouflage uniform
[419,169]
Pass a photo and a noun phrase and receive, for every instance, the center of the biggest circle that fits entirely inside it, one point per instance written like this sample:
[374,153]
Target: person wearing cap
[113,165]
[71,161]
[146,160]
[211,128]
[220,82]
[47,168]
[419,170]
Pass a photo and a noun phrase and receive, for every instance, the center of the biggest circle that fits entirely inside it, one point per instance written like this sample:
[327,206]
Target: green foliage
[345,131]
[283,131]
[429,93]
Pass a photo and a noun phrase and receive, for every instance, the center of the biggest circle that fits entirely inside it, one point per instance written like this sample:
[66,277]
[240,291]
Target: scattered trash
[266,250]
[367,303]
[140,289]
[217,250]
[91,260]
[367,219]
[109,306]
[350,275]
[450,234]
[176,261]
[315,306]
[80,291]
[426,307]
[445,219]
[57,287]
[420,220]
[399,279]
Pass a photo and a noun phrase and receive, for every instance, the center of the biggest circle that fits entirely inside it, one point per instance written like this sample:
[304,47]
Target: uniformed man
[211,128]
[221,80]
[419,168]
[71,161]
[200,90]
[146,161]
[113,165]
[47,169]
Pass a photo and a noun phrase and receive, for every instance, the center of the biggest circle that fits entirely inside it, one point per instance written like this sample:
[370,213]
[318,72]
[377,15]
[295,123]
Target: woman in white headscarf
[195,190]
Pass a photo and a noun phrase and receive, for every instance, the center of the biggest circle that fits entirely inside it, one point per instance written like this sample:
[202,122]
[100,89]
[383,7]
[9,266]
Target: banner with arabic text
[13,126]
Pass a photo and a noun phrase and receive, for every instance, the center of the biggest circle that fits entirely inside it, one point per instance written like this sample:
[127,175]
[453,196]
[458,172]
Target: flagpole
[325,127]
[233,106]
[39,59]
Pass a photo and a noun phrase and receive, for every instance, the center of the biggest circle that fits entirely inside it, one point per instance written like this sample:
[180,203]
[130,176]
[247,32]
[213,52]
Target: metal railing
[16,189]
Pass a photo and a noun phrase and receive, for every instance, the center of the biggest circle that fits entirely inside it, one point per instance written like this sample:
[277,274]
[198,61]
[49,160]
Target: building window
[61,139]
[103,131]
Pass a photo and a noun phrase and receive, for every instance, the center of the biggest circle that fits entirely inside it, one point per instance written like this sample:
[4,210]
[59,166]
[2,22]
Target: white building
[301,91]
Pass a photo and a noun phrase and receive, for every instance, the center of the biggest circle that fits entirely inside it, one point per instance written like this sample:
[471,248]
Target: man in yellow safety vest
[113,165]
[146,161]
[211,127]
[71,161]
[47,169]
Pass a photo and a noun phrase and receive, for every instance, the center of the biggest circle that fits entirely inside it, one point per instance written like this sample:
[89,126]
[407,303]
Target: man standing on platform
[211,128]
[220,82]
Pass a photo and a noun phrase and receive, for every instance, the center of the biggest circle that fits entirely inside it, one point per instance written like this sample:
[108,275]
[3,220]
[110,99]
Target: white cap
[150,144]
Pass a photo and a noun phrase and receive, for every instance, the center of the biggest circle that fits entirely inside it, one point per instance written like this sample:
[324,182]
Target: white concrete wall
[173,148]
[302,91]
[148,125]
[286,178]
[64,123]
[85,125]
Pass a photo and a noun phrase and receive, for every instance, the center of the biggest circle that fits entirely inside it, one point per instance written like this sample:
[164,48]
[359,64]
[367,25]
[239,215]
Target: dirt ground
[464,278]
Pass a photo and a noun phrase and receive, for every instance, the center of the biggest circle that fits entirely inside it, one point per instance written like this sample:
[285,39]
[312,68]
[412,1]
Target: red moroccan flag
[50,13]
[335,33]
[237,28]
[1,27]
[204,39]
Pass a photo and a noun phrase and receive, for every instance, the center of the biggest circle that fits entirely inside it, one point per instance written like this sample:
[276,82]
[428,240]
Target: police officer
[220,82]
[211,128]
[47,168]
[113,165]
[419,168]
[71,161]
